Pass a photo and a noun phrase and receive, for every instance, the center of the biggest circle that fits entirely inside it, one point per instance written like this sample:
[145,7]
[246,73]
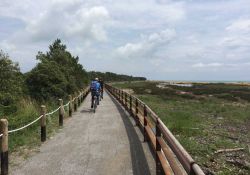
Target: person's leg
[92,99]
[98,96]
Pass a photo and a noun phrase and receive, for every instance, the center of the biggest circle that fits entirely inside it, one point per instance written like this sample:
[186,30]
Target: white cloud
[148,44]
[221,65]
[49,19]
[146,14]
[202,65]
[235,41]
[65,22]
[241,25]
[8,47]
[75,23]
[237,34]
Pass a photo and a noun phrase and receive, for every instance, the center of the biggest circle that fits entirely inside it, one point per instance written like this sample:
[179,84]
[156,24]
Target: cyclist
[95,89]
[101,84]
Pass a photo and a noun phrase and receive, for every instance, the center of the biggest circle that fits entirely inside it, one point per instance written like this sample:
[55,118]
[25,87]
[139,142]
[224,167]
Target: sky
[158,39]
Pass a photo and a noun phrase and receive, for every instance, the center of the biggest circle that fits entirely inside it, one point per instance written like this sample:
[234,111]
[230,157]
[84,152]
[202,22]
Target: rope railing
[50,113]
[21,128]
[47,114]
[76,97]
[25,126]
[4,124]
[67,104]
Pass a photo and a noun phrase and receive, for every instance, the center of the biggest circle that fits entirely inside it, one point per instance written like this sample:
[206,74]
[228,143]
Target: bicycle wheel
[97,100]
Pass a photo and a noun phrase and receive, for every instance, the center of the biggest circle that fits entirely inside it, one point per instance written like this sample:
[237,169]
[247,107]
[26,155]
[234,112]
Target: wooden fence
[171,157]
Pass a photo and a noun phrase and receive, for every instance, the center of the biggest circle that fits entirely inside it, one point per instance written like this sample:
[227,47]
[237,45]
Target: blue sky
[159,39]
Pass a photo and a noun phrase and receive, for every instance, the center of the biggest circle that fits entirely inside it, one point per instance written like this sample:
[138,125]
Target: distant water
[204,81]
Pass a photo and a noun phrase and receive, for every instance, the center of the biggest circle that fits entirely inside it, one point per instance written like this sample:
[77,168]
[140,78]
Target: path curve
[104,143]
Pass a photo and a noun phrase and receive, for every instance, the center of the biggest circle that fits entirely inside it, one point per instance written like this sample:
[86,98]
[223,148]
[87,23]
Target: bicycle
[95,103]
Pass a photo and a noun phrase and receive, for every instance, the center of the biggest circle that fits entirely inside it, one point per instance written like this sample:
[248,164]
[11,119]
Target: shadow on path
[86,110]
[139,161]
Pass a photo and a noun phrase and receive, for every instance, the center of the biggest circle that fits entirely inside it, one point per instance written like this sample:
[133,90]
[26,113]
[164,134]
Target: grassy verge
[204,122]
[24,142]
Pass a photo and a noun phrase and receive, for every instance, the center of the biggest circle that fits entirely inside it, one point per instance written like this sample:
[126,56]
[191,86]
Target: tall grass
[27,111]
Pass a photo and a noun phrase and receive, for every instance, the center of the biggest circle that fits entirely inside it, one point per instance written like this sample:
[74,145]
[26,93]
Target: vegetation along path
[106,142]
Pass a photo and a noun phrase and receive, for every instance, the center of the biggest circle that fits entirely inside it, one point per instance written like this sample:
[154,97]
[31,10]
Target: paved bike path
[103,143]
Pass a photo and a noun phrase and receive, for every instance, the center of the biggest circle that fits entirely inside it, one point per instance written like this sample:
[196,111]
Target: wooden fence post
[75,102]
[158,148]
[4,147]
[130,104]
[126,101]
[118,94]
[78,98]
[123,98]
[136,112]
[145,122]
[81,96]
[43,123]
[83,91]
[61,112]
[86,93]
[70,105]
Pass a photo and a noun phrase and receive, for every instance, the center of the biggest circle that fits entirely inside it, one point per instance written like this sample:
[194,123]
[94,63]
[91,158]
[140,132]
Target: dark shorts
[94,93]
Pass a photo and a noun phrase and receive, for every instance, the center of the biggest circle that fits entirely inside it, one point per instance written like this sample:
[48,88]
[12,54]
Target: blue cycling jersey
[95,86]
[98,86]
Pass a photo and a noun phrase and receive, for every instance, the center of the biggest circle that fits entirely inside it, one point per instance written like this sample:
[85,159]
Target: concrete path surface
[104,143]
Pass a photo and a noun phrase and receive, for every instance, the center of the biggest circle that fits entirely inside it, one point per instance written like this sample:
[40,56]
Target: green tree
[11,80]
[46,81]
[57,74]
[110,76]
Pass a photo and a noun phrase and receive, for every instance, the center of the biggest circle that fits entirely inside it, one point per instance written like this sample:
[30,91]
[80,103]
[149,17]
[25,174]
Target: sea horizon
[205,81]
